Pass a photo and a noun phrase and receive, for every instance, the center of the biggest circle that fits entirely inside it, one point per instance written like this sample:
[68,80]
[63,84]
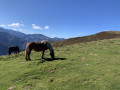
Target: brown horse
[38,46]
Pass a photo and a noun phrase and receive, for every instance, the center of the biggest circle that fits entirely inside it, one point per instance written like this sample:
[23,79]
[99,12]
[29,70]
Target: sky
[60,18]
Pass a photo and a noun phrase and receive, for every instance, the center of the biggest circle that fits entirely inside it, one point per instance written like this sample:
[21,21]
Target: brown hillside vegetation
[94,37]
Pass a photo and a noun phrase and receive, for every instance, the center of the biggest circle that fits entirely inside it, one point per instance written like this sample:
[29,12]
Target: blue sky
[60,18]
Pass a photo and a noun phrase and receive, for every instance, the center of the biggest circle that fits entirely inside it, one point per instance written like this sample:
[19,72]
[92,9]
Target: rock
[11,88]
[51,80]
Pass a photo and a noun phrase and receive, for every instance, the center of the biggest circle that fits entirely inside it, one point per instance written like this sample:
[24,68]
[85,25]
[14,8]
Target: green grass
[85,66]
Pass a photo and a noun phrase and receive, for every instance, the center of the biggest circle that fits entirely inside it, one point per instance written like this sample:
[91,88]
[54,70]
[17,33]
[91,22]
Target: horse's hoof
[28,59]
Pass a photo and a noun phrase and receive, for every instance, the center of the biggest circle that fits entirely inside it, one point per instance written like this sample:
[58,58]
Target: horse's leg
[29,55]
[9,53]
[43,54]
[16,52]
[26,55]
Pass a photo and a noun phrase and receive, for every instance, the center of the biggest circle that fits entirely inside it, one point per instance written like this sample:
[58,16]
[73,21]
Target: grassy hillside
[84,66]
[94,37]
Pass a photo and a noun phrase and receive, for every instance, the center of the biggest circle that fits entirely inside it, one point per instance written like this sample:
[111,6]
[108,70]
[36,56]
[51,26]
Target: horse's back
[14,47]
[37,46]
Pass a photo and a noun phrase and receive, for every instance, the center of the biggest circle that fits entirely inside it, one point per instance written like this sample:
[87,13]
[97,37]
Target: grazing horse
[13,49]
[38,46]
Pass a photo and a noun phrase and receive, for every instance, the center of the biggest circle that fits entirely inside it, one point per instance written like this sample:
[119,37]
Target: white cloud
[20,29]
[46,27]
[2,25]
[36,27]
[16,25]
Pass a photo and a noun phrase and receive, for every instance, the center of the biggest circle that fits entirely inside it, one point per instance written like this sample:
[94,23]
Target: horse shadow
[49,59]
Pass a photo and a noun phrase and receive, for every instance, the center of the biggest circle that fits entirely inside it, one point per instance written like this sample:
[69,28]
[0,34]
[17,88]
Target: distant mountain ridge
[95,37]
[30,37]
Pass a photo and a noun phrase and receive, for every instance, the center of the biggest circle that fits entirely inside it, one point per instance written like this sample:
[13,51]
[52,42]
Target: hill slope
[83,66]
[94,37]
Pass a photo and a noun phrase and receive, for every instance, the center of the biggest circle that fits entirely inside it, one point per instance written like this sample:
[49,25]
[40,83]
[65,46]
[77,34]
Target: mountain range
[30,37]
[15,38]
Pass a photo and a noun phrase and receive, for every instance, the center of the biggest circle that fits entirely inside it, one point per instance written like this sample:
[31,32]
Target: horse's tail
[26,52]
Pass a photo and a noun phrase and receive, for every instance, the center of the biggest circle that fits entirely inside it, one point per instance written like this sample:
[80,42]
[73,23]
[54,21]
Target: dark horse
[13,49]
[38,46]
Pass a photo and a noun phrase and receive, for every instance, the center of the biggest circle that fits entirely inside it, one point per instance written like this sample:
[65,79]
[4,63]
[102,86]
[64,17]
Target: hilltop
[94,37]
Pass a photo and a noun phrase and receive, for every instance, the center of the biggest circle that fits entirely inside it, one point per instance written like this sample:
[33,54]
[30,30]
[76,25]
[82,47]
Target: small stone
[11,88]
[51,80]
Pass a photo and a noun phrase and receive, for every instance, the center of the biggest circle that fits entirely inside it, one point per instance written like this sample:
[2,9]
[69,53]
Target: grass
[84,66]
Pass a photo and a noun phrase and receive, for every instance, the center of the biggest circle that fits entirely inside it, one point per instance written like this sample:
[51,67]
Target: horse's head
[49,46]
[52,54]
